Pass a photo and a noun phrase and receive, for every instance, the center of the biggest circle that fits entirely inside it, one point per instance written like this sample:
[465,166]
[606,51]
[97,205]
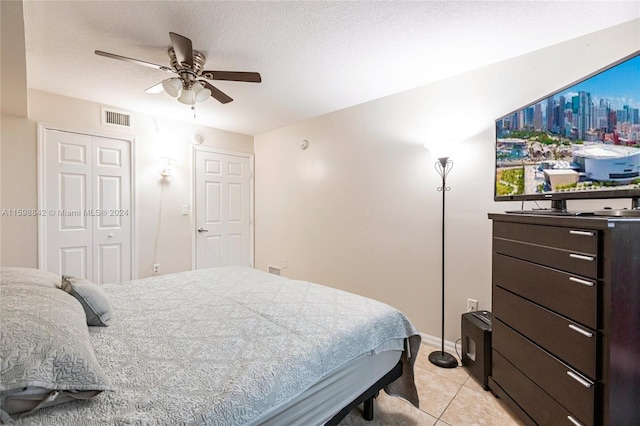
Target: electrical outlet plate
[472,305]
[156,268]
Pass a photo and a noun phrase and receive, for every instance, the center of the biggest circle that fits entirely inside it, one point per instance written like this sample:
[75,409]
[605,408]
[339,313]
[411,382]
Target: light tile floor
[447,397]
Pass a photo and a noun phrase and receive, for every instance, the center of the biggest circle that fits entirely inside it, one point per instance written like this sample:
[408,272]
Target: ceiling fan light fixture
[187,97]
[188,65]
[172,86]
[205,94]
[200,92]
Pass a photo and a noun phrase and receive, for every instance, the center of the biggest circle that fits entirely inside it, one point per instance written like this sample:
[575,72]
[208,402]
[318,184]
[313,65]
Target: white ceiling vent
[112,117]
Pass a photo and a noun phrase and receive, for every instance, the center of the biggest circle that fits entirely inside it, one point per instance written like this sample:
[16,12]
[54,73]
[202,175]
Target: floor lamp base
[443,359]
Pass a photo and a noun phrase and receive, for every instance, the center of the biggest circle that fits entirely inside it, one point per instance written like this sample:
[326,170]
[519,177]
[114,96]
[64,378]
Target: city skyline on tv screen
[584,138]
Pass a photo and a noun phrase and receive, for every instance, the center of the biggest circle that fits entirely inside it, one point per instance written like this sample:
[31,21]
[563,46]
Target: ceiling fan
[188,64]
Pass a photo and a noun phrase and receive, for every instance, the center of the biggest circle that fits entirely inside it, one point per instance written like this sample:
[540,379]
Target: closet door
[112,201]
[68,183]
[87,200]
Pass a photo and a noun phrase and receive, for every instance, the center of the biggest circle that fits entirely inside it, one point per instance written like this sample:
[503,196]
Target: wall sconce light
[168,154]
[166,168]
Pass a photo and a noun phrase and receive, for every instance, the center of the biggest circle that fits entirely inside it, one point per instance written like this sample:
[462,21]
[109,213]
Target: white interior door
[223,195]
[87,200]
[68,230]
[112,200]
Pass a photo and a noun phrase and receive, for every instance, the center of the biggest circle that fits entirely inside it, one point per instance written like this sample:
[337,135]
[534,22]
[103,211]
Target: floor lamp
[441,358]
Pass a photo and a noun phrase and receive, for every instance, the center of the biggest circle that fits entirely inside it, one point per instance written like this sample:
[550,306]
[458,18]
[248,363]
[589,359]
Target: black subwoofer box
[476,345]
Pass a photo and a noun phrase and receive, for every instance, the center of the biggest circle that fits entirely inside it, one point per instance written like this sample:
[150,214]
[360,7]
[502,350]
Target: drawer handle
[583,233]
[580,330]
[574,421]
[582,257]
[581,281]
[584,382]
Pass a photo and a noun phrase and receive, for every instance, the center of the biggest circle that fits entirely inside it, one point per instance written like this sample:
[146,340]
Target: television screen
[582,141]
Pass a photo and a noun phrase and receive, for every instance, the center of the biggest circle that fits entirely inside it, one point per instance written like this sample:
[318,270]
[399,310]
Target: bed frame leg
[368,409]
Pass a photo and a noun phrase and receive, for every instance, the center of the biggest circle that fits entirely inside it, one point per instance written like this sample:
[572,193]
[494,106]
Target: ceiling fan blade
[135,61]
[216,93]
[182,48]
[249,77]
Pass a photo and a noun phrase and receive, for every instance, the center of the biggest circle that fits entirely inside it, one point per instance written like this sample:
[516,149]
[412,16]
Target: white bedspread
[224,346]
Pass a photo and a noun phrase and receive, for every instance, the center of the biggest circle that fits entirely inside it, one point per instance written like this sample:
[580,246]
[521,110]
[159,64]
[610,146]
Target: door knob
[110,235]
[202,230]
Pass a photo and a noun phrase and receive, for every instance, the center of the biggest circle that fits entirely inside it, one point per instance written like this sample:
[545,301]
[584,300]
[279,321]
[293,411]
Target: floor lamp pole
[441,358]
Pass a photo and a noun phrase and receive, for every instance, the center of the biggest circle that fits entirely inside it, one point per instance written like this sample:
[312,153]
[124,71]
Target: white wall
[13,99]
[13,66]
[17,174]
[173,251]
[359,209]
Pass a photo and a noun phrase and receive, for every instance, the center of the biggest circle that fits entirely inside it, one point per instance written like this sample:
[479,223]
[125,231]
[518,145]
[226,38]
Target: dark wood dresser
[566,318]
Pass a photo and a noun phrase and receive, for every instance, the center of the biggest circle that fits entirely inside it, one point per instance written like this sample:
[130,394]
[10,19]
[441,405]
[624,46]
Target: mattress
[237,346]
[325,398]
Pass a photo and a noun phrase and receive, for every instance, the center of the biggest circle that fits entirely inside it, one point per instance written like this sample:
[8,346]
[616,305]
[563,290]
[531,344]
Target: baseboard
[434,341]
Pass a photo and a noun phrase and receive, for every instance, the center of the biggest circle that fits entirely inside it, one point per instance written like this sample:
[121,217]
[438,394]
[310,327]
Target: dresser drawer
[571,295]
[561,382]
[570,261]
[571,239]
[538,405]
[572,343]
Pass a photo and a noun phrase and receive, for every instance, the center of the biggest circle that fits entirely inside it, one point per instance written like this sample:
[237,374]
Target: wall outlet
[472,305]
[156,268]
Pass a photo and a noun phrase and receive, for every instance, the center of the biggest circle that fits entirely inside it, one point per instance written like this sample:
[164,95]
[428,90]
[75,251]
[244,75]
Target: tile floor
[447,397]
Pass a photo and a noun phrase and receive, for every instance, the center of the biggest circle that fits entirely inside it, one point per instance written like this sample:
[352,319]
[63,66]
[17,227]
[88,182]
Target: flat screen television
[580,142]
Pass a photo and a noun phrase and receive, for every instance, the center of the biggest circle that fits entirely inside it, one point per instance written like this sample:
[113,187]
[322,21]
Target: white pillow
[47,357]
[92,298]
[14,275]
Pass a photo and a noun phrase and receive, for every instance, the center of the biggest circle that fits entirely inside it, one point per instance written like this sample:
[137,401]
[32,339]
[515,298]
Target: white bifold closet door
[87,199]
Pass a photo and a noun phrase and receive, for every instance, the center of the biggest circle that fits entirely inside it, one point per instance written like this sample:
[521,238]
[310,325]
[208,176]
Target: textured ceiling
[315,57]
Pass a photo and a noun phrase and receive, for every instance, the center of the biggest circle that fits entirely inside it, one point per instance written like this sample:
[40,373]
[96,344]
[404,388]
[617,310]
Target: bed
[221,346]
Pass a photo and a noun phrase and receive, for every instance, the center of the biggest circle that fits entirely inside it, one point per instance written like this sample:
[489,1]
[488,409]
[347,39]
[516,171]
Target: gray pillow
[92,298]
[13,275]
[46,354]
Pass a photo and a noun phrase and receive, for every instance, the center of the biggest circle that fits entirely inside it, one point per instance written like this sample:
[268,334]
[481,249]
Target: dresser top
[594,222]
